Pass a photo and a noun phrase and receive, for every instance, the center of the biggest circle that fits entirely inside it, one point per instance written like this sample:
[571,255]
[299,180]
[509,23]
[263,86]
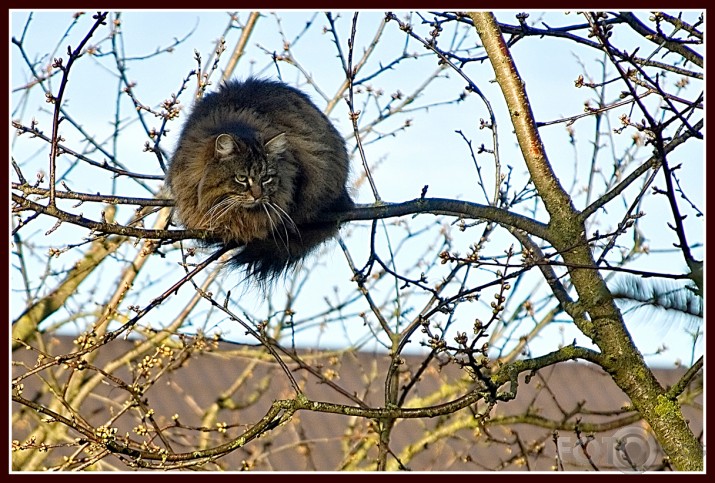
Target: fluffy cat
[258,163]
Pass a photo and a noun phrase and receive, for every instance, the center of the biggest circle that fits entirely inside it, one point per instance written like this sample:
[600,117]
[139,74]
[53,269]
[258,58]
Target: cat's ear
[276,145]
[225,146]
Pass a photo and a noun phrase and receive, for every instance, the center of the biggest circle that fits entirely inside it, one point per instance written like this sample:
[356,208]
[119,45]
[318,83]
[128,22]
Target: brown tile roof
[326,442]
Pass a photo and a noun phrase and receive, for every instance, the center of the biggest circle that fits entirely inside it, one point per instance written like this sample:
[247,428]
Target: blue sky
[429,152]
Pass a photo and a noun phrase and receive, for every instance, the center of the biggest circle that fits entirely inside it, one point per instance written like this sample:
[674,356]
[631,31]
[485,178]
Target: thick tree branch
[434,206]
[79,220]
[621,358]
[443,206]
[556,200]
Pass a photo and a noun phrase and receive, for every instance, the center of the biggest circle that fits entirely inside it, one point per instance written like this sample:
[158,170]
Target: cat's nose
[256,191]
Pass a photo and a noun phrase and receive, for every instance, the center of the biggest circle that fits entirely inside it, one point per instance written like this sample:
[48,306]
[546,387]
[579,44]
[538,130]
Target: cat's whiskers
[211,214]
[217,211]
[274,227]
[285,217]
[282,222]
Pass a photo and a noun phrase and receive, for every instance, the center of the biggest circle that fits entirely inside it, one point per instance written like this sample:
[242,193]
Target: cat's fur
[257,163]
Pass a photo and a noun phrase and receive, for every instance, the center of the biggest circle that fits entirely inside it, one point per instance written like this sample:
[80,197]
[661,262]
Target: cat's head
[242,169]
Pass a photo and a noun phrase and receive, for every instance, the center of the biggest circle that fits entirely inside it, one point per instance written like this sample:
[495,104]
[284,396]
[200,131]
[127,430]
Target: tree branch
[434,206]
[556,200]
[26,324]
[653,161]
[656,38]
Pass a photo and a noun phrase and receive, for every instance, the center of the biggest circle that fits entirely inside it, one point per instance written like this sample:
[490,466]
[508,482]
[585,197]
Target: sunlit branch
[652,162]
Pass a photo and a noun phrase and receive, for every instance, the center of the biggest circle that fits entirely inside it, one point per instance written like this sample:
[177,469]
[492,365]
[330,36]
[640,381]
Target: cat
[258,164]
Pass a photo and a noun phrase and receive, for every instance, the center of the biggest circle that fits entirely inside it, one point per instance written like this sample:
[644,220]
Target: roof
[191,382]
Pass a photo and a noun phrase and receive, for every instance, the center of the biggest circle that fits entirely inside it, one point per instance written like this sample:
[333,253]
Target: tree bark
[604,323]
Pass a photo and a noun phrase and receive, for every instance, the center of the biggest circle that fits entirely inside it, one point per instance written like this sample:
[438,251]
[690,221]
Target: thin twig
[100,18]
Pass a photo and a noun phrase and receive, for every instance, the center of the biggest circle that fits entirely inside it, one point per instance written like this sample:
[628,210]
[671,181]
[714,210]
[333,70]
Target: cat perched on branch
[258,163]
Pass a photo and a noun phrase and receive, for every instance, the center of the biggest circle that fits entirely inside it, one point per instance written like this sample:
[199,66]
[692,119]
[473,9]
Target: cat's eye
[241,179]
[268,181]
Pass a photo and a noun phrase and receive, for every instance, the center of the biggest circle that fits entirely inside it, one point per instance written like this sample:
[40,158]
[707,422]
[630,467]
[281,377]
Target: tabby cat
[258,163]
